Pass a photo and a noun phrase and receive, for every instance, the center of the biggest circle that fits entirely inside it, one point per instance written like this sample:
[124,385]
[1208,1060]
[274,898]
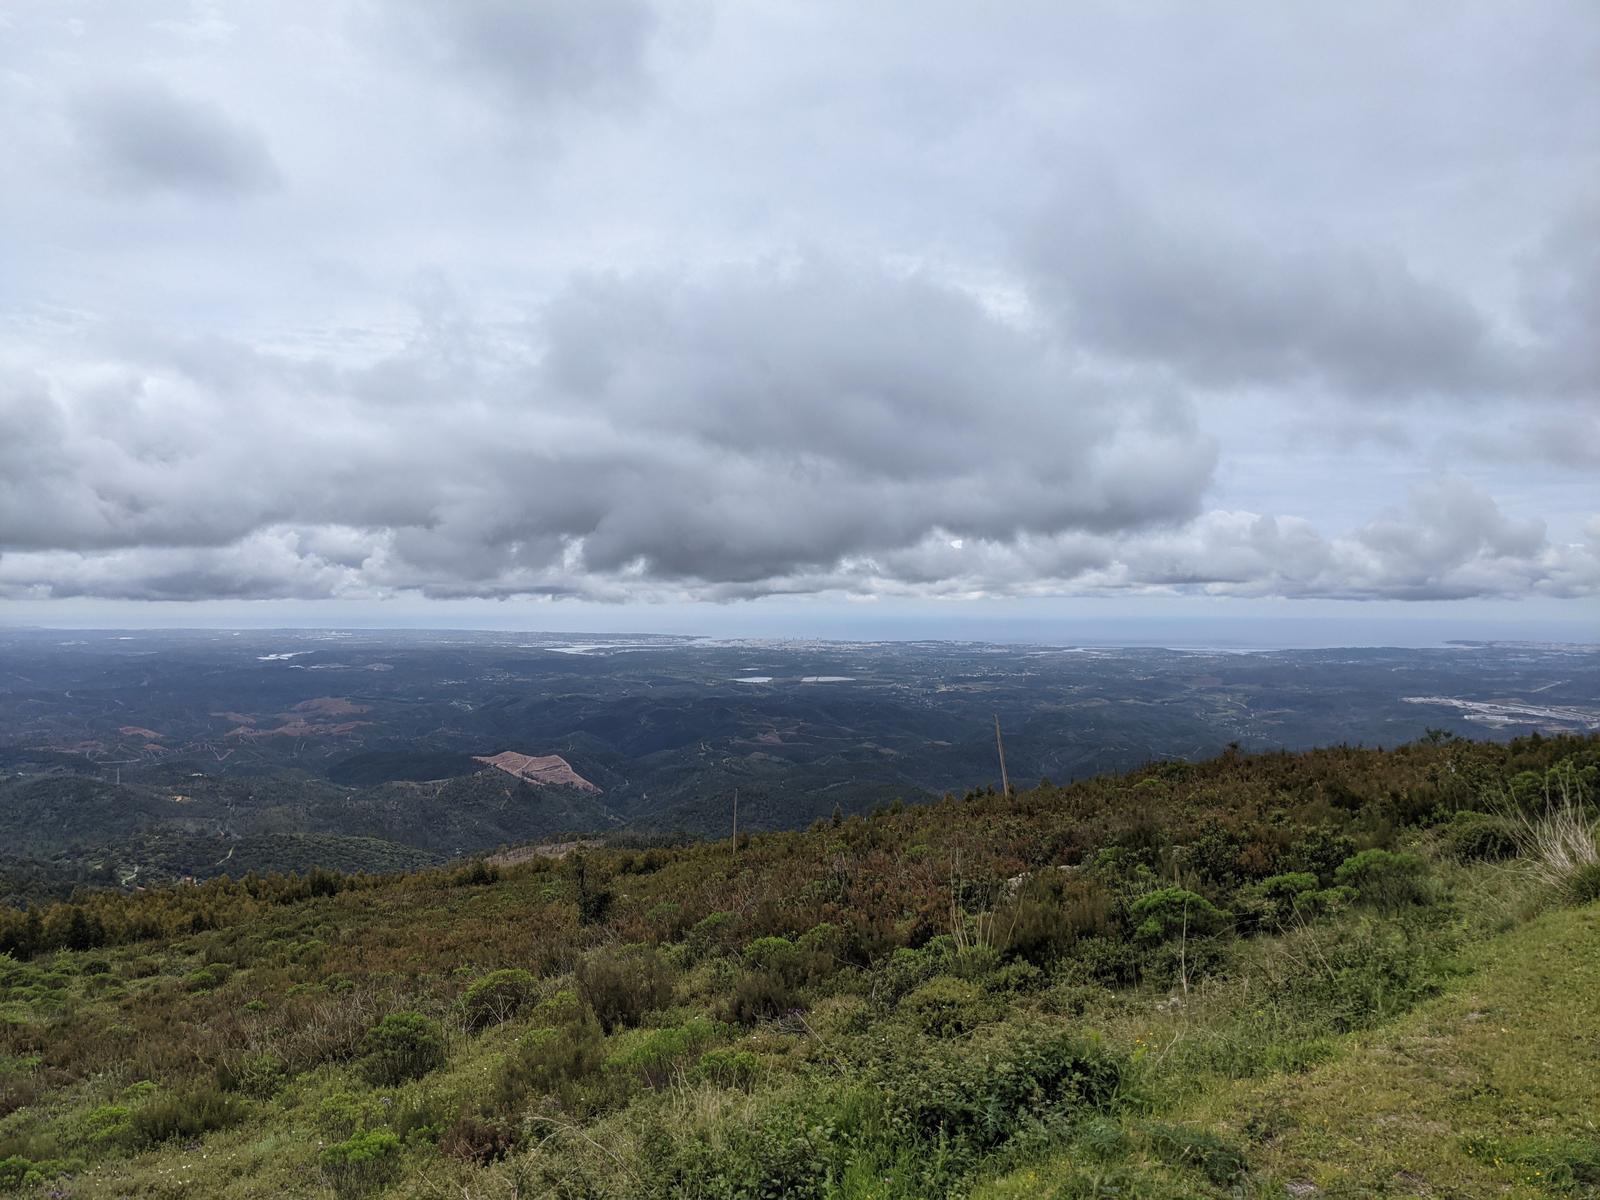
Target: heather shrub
[475,1140]
[758,996]
[1274,901]
[260,1074]
[1053,912]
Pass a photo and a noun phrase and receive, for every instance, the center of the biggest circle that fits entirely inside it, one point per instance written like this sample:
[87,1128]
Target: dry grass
[1559,845]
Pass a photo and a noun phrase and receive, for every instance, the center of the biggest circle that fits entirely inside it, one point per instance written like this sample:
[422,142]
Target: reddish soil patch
[299,728]
[550,769]
[331,706]
[149,735]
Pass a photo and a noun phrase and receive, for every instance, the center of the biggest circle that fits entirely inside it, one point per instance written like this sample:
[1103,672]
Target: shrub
[653,1054]
[759,996]
[1320,852]
[777,955]
[729,1068]
[260,1075]
[973,1101]
[1171,912]
[1275,900]
[947,1007]
[497,997]
[402,1046]
[208,977]
[1384,879]
[1102,960]
[184,1115]
[109,1124]
[557,1062]
[1561,842]
[1583,883]
[474,1140]
[1053,913]
[620,986]
[1479,837]
[366,1162]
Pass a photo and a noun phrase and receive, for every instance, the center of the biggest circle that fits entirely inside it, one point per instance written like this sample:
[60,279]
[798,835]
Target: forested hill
[925,1001]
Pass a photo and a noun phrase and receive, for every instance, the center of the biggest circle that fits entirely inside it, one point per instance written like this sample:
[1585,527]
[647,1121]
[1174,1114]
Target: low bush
[1479,837]
[185,1115]
[759,996]
[1053,913]
[948,1007]
[402,1046]
[1385,880]
[475,1140]
[1172,912]
[366,1162]
[562,1062]
[260,1075]
[497,996]
[653,1055]
[621,985]
[729,1068]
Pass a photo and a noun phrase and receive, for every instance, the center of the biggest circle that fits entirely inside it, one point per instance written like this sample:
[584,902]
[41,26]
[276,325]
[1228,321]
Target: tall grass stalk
[1559,844]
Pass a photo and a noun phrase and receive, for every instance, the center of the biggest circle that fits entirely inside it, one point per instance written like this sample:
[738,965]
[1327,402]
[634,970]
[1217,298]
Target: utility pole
[1005,782]
[736,821]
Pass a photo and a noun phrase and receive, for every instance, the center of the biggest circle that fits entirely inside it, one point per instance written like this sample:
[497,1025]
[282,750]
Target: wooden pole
[736,820]
[1005,782]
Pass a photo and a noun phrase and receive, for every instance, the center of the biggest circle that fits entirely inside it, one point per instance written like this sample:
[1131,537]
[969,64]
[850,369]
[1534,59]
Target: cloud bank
[623,302]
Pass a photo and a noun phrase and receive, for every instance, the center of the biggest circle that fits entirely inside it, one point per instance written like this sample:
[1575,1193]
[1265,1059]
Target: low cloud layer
[624,302]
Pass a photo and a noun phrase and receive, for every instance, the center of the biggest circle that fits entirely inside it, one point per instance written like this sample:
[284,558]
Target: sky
[791,315]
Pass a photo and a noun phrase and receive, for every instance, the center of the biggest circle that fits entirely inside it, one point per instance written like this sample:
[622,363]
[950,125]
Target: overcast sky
[345,309]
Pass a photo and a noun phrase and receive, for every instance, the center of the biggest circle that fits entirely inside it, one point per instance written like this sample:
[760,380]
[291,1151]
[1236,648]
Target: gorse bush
[402,1046]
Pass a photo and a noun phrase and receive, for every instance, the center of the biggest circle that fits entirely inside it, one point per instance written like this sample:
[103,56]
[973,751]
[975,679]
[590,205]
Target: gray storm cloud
[139,136]
[739,427]
[619,300]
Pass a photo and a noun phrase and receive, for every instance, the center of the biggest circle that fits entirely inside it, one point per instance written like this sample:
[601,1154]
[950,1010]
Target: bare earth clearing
[550,769]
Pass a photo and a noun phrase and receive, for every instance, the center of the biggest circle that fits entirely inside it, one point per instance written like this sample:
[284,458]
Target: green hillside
[1330,973]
